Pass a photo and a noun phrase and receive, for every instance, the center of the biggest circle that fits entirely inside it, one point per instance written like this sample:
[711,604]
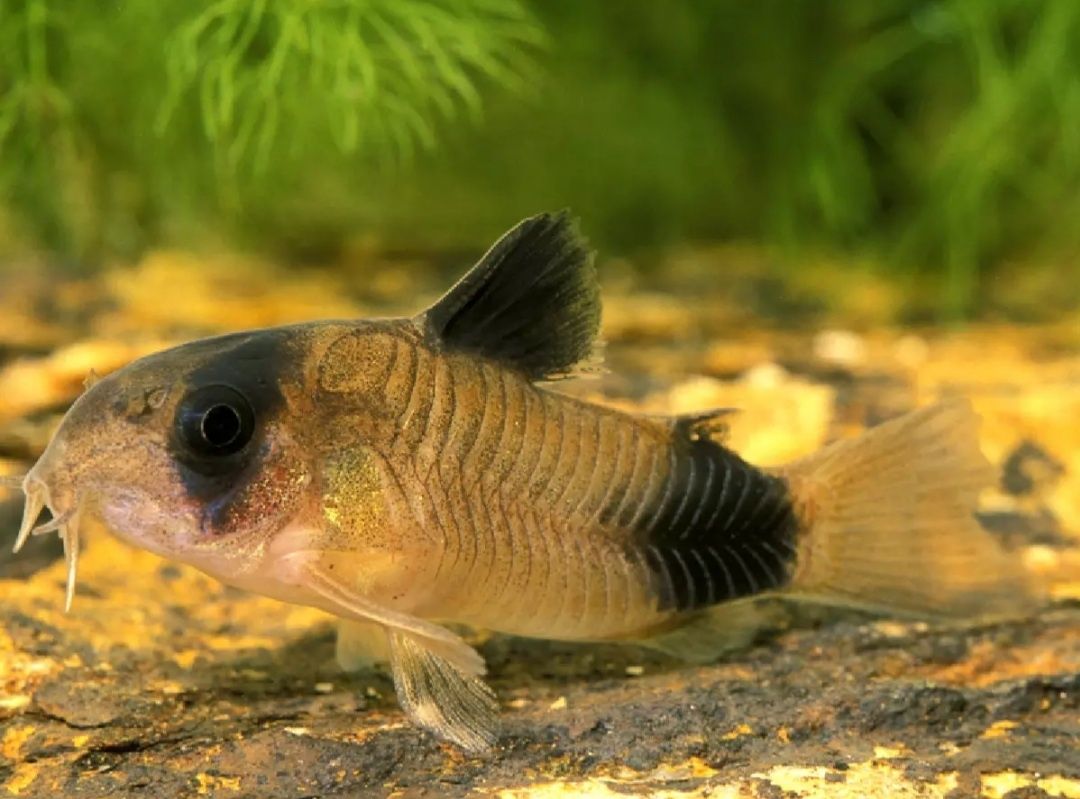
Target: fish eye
[215,421]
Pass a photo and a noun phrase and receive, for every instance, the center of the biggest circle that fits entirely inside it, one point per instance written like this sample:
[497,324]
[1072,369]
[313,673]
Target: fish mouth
[64,522]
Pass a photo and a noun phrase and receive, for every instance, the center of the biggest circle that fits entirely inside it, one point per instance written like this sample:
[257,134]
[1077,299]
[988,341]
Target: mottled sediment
[162,681]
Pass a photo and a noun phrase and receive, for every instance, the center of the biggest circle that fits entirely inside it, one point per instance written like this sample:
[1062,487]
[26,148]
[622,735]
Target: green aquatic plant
[37,124]
[374,74]
[947,134]
[934,140]
[153,113]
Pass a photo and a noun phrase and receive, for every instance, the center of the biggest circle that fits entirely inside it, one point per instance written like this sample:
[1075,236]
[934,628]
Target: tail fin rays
[887,521]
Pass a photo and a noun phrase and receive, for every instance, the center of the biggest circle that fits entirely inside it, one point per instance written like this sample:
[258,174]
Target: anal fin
[441,698]
[709,634]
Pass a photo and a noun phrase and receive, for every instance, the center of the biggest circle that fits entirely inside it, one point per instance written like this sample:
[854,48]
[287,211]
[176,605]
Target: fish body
[524,510]
[404,473]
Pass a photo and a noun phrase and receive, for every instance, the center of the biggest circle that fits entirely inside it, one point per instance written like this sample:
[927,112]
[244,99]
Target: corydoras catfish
[403,474]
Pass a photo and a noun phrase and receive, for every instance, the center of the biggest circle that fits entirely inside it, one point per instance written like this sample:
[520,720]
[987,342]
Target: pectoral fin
[436,674]
[347,603]
[440,697]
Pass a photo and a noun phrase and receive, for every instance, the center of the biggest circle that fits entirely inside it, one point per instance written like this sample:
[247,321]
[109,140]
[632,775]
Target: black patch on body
[252,364]
[531,303]
[721,529]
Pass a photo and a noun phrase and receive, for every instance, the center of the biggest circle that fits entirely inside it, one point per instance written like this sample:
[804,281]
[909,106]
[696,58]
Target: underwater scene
[516,398]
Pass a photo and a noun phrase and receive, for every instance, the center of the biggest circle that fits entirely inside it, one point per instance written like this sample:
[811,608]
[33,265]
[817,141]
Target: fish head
[191,453]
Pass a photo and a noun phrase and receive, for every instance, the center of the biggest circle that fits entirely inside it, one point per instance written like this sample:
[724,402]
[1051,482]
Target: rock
[841,347]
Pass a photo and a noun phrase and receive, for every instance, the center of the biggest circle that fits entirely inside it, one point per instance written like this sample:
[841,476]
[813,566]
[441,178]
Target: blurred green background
[934,143]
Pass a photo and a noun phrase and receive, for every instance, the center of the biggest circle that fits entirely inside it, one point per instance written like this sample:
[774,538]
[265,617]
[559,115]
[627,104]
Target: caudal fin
[887,521]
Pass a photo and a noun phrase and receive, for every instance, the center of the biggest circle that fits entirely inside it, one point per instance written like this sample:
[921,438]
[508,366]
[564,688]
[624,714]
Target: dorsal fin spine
[532,302]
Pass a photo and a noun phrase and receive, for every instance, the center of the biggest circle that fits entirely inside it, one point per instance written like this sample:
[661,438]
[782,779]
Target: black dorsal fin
[532,302]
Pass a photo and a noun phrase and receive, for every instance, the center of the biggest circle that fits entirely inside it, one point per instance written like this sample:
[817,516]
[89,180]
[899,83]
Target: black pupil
[221,425]
[213,424]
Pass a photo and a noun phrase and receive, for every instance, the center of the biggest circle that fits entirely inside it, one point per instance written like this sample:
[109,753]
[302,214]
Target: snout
[51,484]
[48,485]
